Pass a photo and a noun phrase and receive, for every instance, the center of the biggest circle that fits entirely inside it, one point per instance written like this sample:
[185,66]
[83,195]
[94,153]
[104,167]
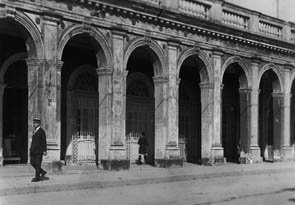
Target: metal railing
[83,148]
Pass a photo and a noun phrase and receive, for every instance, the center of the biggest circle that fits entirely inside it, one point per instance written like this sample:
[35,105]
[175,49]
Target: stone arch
[160,59]
[11,59]
[206,73]
[278,84]
[35,39]
[74,30]
[245,81]
[80,69]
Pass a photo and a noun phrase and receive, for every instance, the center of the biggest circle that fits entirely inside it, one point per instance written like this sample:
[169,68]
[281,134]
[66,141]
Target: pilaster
[206,124]
[52,85]
[287,153]
[2,88]
[35,93]
[255,151]
[217,152]
[161,95]
[172,149]
[117,151]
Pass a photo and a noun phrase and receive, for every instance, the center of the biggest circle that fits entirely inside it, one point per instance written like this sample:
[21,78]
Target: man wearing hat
[38,148]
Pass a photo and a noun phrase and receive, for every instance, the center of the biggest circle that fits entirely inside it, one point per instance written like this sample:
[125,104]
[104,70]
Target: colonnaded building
[208,81]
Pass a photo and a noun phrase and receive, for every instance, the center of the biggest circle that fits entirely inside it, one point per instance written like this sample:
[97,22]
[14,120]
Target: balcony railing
[269,29]
[234,19]
[155,2]
[194,8]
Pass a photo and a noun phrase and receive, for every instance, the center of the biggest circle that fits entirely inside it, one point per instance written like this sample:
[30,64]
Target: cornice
[170,19]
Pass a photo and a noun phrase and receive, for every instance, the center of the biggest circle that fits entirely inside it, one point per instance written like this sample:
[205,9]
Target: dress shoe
[35,180]
[43,174]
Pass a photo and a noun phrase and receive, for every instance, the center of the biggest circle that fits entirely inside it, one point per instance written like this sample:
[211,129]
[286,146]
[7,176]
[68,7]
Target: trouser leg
[38,169]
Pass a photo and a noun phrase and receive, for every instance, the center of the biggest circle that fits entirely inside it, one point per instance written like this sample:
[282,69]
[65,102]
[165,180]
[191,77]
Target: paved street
[227,184]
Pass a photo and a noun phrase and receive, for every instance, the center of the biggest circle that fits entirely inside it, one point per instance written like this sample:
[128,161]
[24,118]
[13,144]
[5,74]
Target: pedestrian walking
[37,150]
[142,151]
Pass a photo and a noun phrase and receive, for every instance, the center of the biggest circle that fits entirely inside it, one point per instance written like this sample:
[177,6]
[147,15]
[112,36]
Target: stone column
[206,124]
[287,153]
[105,115]
[254,145]
[245,102]
[172,154]
[35,93]
[52,85]
[277,124]
[217,149]
[118,158]
[286,150]
[161,95]
[2,89]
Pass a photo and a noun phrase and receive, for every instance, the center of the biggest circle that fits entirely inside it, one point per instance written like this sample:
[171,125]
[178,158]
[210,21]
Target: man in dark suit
[142,151]
[38,148]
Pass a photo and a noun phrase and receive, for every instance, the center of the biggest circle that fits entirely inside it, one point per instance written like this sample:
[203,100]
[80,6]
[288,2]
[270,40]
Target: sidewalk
[17,179]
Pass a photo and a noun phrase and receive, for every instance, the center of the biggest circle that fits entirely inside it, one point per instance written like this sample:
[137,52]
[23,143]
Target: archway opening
[14,40]
[234,111]
[269,115]
[79,100]
[189,118]
[140,102]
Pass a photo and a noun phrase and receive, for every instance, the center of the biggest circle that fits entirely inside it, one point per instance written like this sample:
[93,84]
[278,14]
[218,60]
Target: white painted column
[2,89]
[217,150]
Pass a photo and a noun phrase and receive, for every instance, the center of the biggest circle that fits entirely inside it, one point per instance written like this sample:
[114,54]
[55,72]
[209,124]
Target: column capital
[160,79]
[102,71]
[59,65]
[34,62]
[206,85]
[277,95]
[245,90]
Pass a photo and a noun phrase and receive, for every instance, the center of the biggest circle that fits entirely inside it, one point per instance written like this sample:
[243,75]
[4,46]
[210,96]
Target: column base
[115,164]
[213,161]
[254,154]
[168,163]
[54,167]
[172,151]
[287,154]
[1,161]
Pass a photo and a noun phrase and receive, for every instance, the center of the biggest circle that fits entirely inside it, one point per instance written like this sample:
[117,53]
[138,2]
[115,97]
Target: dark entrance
[15,114]
[231,116]
[268,112]
[79,98]
[190,110]
[140,102]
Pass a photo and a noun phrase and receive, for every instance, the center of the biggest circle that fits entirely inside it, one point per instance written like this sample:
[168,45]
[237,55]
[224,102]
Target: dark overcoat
[38,145]
[143,143]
